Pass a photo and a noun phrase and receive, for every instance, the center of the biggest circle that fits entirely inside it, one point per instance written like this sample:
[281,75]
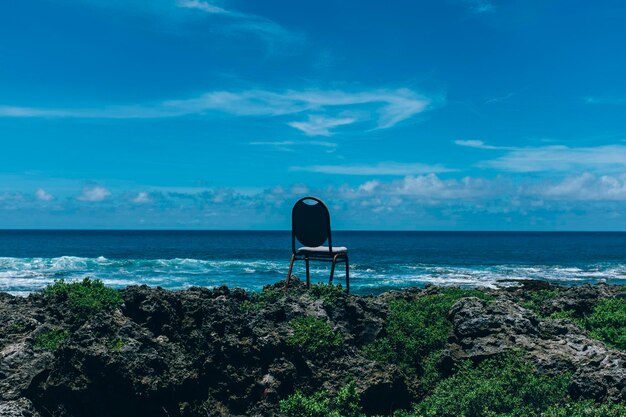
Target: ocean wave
[23,275]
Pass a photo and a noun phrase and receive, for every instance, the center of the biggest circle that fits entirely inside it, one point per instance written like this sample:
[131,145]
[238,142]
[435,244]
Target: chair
[310,226]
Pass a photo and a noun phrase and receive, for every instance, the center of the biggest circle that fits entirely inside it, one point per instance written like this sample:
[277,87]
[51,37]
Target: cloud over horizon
[324,108]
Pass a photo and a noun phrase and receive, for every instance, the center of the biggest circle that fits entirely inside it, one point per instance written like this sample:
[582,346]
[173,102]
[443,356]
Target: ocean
[379,261]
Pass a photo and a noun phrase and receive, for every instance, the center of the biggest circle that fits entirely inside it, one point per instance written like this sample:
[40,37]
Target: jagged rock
[483,329]
[21,407]
[202,352]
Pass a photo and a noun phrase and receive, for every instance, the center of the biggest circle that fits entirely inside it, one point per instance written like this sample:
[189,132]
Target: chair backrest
[310,223]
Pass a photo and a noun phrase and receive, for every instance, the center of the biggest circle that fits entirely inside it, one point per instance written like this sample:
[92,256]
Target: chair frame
[334,258]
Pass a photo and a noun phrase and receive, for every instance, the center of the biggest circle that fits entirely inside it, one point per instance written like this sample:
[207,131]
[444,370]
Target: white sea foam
[24,275]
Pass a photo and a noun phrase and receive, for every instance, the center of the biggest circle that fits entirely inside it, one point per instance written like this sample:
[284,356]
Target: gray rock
[483,329]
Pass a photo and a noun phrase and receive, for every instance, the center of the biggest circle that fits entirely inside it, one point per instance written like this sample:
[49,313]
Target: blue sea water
[250,259]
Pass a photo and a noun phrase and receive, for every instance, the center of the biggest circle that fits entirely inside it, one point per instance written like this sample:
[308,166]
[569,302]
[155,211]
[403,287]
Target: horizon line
[289,230]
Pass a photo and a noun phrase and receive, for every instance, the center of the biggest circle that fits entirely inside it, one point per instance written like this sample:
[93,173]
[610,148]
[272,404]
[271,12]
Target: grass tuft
[313,335]
[85,298]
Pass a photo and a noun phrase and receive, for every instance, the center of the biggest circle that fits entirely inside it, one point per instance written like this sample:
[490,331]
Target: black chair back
[310,223]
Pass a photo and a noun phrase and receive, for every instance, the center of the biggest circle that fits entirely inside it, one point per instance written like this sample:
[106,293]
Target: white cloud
[295,143]
[479,144]
[585,187]
[320,125]
[383,168]
[432,187]
[560,158]
[385,108]
[94,194]
[552,158]
[201,5]
[43,195]
[141,197]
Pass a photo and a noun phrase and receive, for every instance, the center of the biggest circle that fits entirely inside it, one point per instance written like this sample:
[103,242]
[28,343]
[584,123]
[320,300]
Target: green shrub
[345,404]
[313,335]
[259,300]
[299,405]
[607,322]
[417,328]
[86,297]
[329,293]
[537,298]
[586,409]
[51,340]
[504,386]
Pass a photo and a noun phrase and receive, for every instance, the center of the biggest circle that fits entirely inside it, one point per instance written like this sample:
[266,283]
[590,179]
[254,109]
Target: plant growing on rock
[346,403]
[51,340]
[313,335]
[535,299]
[85,298]
[418,327]
[505,386]
[607,322]
[259,300]
[586,408]
[329,293]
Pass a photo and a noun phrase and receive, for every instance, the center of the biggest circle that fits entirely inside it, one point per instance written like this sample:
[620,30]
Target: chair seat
[322,250]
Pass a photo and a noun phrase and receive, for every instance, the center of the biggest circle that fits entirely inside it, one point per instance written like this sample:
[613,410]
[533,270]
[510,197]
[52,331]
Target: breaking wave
[21,276]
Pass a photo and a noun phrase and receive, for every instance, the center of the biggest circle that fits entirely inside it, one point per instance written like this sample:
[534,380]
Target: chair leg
[347,276]
[308,278]
[293,257]
[332,269]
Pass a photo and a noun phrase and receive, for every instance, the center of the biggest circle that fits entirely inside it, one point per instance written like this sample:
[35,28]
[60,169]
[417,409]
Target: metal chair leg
[308,278]
[332,269]
[293,257]
[347,276]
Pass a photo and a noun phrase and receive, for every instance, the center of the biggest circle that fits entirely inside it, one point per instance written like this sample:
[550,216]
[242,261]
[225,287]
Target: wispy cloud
[383,108]
[479,144]
[222,19]
[552,158]
[605,100]
[321,125]
[480,6]
[202,6]
[94,194]
[383,168]
[291,145]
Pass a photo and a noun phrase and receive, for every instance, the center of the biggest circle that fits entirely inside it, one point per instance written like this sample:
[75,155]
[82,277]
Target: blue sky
[410,115]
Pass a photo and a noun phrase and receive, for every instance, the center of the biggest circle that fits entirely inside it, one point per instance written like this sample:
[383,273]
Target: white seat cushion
[322,249]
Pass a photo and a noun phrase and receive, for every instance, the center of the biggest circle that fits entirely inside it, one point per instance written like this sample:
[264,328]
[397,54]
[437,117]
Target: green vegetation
[537,298]
[607,322]
[586,409]
[313,335]
[329,293]
[15,328]
[416,329]
[499,387]
[321,404]
[259,300]
[51,340]
[116,344]
[504,386]
[86,297]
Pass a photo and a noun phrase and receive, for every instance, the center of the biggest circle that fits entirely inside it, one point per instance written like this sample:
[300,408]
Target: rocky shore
[86,350]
